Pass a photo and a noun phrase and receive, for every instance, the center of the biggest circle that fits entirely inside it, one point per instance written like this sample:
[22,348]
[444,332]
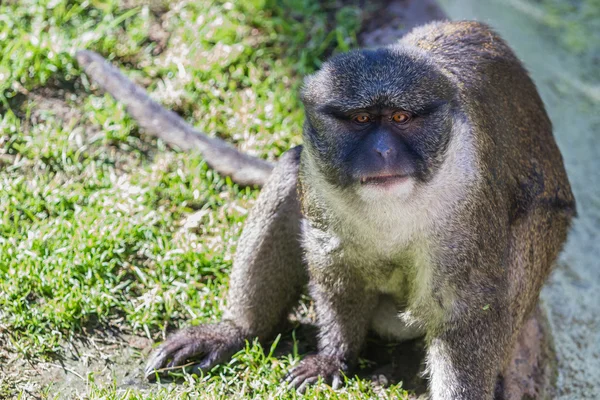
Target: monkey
[429,199]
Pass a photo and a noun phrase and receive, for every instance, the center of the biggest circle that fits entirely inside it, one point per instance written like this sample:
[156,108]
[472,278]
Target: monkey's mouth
[383,180]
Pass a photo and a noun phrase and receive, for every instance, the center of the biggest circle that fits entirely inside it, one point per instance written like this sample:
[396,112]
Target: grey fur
[459,254]
[267,278]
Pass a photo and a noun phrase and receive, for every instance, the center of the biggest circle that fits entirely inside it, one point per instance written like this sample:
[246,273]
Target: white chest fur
[389,236]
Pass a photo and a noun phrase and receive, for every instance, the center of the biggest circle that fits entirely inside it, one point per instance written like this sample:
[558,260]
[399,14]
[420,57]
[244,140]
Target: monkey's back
[505,109]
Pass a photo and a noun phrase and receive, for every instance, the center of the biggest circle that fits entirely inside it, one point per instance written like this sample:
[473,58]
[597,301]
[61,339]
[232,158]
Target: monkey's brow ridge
[345,109]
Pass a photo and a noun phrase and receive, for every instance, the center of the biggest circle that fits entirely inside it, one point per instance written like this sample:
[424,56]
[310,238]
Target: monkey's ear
[316,88]
[306,90]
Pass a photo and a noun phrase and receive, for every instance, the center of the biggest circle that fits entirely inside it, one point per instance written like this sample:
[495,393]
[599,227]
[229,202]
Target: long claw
[178,359]
[213,343]
[307,382]
[298,381]
[160,356]
[313,367]
[290,375]
[155,363]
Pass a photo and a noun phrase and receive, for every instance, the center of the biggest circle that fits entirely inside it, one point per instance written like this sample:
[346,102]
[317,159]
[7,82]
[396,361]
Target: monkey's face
[377,121]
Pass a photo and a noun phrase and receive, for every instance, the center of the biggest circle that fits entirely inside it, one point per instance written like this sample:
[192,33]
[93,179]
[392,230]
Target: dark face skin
[371,124]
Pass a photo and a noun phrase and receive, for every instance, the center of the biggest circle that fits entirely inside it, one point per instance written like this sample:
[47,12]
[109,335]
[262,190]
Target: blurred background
[110,239]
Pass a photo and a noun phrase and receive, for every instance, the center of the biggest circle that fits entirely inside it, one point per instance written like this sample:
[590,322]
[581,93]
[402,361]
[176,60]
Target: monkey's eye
[362,118]
[401,117]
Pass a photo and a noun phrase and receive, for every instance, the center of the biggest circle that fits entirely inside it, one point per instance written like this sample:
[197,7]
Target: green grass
[93,212]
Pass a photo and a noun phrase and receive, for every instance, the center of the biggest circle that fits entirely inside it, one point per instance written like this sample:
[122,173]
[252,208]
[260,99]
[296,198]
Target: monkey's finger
[160,357]
[181,356]
[287,376]
[299,375]
[292,373]
[206,364]
[299,380]
[156,362]
[307,382]
[336,382]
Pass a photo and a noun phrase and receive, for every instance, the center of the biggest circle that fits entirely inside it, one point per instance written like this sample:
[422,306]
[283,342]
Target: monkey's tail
[243,169]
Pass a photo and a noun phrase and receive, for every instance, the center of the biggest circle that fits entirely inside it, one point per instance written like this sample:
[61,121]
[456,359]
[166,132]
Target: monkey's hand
[313,367]
[208,344]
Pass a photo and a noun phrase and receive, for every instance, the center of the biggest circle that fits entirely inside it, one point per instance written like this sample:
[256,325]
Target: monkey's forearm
[343,318]
[170,127]
[267,278]
[268,271]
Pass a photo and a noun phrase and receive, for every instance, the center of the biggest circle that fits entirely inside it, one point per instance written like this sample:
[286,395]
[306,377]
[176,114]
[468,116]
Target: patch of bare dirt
[108,359]
[104,358]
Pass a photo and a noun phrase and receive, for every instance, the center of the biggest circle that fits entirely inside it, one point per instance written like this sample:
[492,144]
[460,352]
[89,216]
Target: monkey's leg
[267,278]
[467,356]
[343,315]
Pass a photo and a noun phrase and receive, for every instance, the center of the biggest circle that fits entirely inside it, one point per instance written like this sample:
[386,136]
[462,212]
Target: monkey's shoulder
[461,40]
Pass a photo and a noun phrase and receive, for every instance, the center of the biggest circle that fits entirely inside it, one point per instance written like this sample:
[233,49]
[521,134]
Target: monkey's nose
[383,151]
